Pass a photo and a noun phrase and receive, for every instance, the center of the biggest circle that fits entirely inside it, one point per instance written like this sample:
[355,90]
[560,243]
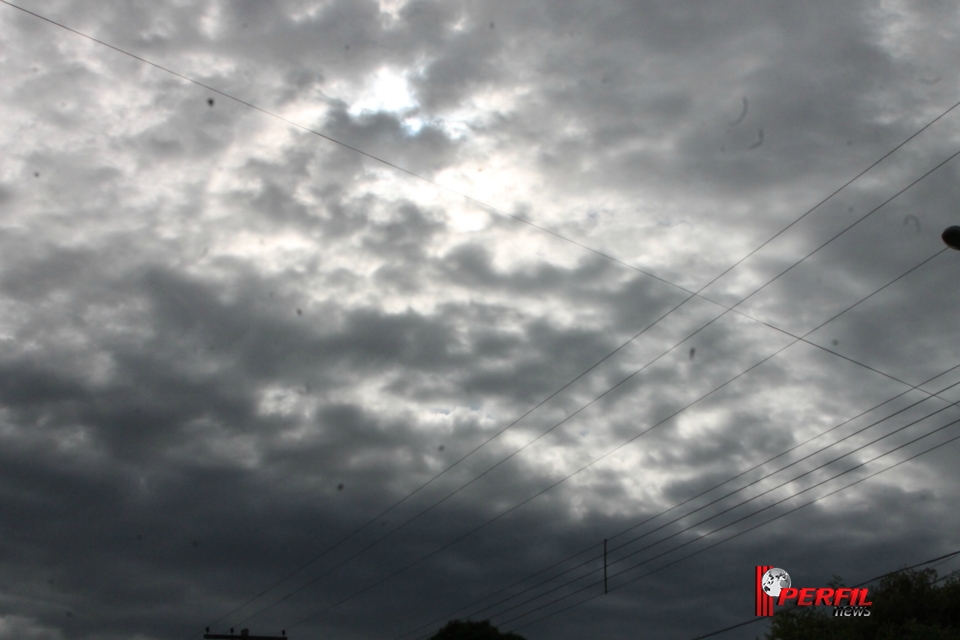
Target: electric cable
[722,314]
[954,438]
[451,614]
[450,495]
[727,510]
[727,495]
[567,477]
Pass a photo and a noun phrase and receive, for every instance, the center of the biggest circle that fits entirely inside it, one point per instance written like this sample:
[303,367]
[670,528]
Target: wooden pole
[604,566]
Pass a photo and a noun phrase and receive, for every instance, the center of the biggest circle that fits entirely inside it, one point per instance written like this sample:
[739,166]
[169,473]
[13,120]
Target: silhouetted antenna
[244,633]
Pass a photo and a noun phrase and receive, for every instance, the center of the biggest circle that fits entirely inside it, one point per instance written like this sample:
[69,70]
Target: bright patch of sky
[387,90]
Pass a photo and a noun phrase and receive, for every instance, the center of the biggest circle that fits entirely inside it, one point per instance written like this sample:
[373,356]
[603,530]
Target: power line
[567,477]
[797,339]
[727,495]
[760,495]
[450,495]
[515,217]
[750,528]
[651,518]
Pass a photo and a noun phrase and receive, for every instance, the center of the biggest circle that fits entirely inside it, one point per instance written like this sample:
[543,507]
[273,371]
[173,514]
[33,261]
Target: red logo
[774,584]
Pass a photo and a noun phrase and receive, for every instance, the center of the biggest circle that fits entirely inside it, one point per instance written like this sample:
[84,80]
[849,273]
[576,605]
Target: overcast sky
[227,343]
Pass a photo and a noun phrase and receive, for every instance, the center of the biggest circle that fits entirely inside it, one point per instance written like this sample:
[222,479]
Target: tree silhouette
[469,630]
[910,605]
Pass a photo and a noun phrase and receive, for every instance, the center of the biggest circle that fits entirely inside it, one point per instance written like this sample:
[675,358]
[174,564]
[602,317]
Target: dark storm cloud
[225,343]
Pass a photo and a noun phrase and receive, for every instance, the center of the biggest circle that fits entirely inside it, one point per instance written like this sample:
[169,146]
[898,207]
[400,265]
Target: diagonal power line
[610,452]
[611,389]
[790,497]
[736,506]
[797,338]
[477,613]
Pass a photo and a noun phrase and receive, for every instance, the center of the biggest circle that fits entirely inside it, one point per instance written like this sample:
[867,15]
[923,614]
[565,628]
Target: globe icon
[774,580]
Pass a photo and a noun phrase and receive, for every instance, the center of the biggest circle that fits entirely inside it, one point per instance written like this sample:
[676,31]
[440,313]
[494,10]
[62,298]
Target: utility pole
[604,566]
[244,633]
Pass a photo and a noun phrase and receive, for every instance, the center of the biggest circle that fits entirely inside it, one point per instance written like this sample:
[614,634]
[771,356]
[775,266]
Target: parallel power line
[728,309]
[476,613]
[598,459]
[736,535]
[518,218]
[736,506]
[623,381]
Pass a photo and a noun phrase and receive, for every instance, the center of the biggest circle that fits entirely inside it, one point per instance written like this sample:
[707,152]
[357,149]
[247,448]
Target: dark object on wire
[952,237]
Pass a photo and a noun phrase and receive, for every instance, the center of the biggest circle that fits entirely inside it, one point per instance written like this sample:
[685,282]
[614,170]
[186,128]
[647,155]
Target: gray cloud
[227,343]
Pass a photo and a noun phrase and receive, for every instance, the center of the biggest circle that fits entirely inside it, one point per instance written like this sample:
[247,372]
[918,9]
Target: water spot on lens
[440,448]
[299,312]
[759,142]
[340,487]
[743,113]
[36,174]
[835,342]
[210,101]
[693,352]
[916,221]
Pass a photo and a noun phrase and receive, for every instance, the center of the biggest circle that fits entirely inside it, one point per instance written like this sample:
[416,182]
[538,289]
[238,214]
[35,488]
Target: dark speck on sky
[210,101]
[693,352]
[299,312]
[340,487]
[759,141]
